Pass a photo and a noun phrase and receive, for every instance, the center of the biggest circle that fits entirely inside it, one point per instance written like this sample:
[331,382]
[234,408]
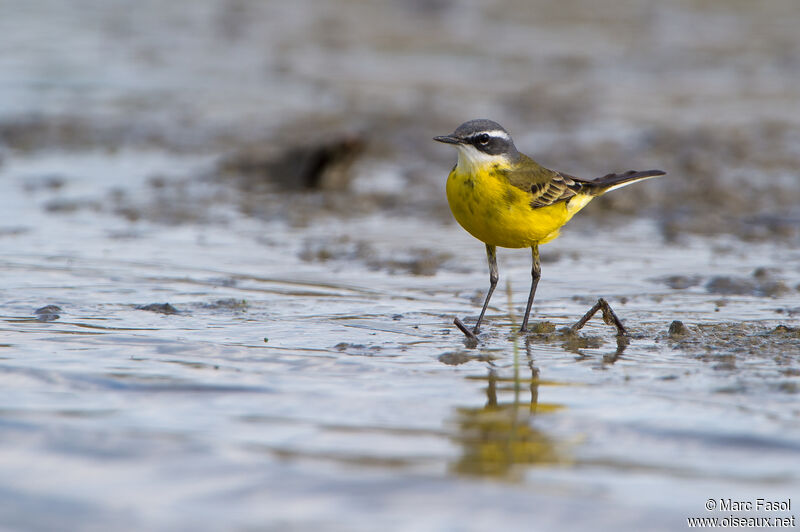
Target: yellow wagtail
[504,198]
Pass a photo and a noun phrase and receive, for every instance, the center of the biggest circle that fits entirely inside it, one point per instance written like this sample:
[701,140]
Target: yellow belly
[500,214]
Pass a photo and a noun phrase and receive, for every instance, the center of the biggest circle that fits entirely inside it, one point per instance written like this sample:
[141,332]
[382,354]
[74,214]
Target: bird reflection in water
[499,437]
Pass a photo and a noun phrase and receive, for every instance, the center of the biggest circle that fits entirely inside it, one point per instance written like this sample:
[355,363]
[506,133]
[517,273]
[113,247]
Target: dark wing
[546,186]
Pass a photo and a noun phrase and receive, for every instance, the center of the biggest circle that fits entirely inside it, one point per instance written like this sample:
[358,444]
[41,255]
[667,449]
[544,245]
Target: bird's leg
[493,277]
[536,273]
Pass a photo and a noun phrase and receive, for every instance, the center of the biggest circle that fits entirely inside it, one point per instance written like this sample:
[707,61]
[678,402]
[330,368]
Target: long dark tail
[609,182]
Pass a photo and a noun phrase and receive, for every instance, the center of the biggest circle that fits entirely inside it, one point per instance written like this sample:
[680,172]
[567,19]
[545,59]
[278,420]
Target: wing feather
[545,186]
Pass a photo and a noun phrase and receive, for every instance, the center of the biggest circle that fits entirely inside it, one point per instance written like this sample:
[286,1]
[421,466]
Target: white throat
[471,159]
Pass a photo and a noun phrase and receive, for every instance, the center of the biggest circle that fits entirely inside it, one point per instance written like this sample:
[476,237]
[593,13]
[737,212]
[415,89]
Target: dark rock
[677,328]
[163,308]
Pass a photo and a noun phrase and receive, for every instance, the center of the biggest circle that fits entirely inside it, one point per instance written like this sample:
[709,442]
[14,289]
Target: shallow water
[333,394]
[307,374]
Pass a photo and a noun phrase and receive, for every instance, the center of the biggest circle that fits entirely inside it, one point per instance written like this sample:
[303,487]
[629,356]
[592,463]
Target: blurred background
[230,269]
[705,89]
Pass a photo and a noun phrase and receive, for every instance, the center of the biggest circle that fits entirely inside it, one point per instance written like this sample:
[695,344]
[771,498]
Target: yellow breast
[500,214]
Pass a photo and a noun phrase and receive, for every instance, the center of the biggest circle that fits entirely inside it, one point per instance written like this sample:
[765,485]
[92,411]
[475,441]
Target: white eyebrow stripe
[494,133]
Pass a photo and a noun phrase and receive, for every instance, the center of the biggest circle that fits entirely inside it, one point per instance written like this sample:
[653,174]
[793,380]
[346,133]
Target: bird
[506,199]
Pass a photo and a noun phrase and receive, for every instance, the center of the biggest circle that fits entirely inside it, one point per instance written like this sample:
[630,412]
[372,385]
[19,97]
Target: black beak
[448,139]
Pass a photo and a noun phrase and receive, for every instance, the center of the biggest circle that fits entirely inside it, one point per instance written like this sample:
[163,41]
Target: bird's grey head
[482,141]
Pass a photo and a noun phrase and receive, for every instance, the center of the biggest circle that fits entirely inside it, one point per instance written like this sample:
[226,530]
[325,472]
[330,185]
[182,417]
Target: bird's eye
[483,138]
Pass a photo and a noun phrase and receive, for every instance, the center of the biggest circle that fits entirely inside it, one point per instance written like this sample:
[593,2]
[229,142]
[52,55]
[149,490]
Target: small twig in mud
[463,328]
[609,317]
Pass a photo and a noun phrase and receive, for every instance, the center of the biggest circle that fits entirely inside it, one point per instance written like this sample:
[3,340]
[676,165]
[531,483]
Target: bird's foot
[470,334]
